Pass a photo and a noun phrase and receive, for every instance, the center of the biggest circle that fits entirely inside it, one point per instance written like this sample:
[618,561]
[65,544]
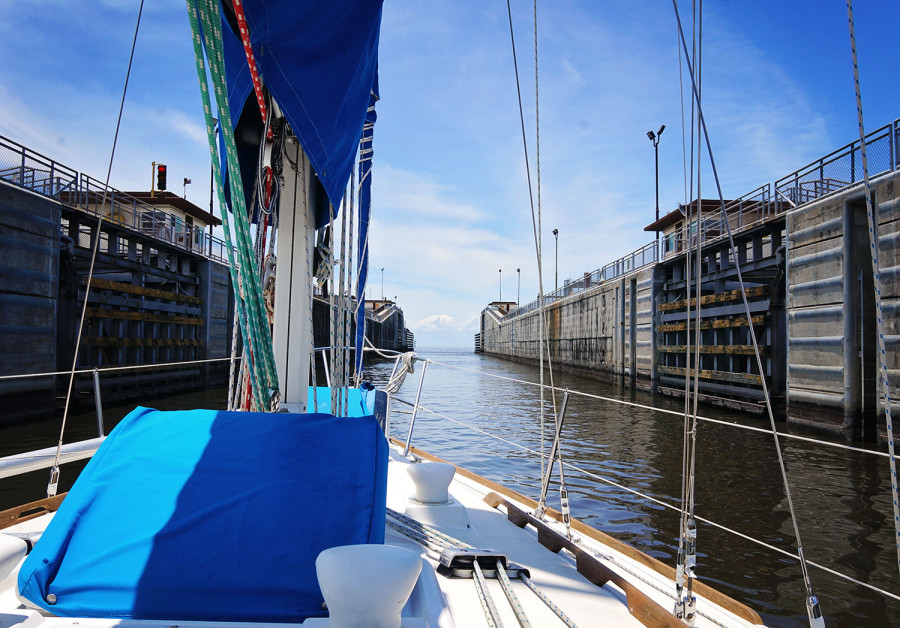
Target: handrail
[17,464]
[26,168]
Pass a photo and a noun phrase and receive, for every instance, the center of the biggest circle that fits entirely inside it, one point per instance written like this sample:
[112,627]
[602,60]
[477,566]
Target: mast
[292,331]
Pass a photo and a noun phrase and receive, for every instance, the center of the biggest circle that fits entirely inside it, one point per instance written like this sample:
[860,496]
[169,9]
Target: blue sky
[450,195]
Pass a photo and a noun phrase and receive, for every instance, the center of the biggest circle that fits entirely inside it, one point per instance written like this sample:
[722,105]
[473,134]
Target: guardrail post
[412,420]
[98,403]
[893,145]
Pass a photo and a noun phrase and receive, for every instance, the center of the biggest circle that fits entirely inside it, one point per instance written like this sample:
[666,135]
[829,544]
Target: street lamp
[382,283]
[556,268]
[654,137]
[519,289]
[501,285]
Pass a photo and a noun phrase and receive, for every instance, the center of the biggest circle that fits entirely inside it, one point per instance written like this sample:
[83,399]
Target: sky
[452,220]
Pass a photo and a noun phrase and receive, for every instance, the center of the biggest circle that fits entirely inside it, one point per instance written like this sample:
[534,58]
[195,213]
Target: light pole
[556,267]
[519,289]
[501,285]
[654,137]
[382,283]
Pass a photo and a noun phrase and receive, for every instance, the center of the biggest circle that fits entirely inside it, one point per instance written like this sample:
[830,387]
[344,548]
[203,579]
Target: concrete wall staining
[607,330]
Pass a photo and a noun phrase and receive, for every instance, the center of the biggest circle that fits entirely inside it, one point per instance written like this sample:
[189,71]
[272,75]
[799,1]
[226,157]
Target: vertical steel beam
[850,341]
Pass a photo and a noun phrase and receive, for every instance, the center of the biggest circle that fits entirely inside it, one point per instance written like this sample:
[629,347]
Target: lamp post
[519,288]
[654,137]
[556,267]
[501,285]
[382,283]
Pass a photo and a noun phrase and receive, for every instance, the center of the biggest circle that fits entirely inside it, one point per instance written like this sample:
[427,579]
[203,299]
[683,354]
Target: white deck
[439,601]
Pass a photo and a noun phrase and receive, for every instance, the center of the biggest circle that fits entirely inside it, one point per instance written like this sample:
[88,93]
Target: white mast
[292,333]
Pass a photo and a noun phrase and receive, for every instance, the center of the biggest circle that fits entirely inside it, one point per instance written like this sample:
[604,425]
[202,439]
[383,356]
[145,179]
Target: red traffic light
[160,177]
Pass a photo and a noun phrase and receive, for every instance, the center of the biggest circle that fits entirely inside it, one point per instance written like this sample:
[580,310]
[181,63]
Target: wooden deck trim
[728,603]
[18,514]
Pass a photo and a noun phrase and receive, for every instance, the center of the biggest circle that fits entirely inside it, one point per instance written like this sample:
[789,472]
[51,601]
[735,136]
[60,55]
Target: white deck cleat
[366,585]
[432,480]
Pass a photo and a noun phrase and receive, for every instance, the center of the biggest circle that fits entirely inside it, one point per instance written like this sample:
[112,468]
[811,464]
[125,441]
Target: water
[842,498]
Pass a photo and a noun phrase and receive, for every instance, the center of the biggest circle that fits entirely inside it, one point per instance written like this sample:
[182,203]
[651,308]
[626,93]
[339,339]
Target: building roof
[707,205]
[178,202]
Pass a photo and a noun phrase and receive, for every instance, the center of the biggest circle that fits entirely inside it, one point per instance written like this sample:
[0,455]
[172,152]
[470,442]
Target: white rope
[546,600]
[54,471]
[511,596]
[405,365]
[487,602]
[873,244]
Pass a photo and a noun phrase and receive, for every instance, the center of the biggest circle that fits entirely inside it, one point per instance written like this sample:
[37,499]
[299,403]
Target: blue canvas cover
[205,515]
[318,59]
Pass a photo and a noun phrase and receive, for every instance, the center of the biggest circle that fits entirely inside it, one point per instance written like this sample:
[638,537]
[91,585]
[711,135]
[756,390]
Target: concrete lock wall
[832,374]
[29,238]
[605,330]
[825,361]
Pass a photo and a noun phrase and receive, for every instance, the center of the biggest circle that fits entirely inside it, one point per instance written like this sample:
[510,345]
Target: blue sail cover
[318,60]
[210,516]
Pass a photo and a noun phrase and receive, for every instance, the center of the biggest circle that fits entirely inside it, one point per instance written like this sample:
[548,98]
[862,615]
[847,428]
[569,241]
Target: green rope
[251,314]
[258,319]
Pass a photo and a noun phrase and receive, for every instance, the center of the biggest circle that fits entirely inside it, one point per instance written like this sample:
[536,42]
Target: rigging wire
[53,484]
[812,602]
[537,171]
[534,224]
[879,314]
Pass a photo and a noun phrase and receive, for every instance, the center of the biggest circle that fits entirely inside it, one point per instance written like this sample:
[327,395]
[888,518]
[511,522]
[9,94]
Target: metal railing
[22,166]
[742,213]
[842,168]
[644,256]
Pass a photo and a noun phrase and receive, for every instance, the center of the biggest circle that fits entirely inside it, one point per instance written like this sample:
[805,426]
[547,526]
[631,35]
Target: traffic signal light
[160,177]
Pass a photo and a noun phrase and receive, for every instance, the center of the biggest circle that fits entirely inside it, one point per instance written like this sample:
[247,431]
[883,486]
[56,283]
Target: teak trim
[31,510]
